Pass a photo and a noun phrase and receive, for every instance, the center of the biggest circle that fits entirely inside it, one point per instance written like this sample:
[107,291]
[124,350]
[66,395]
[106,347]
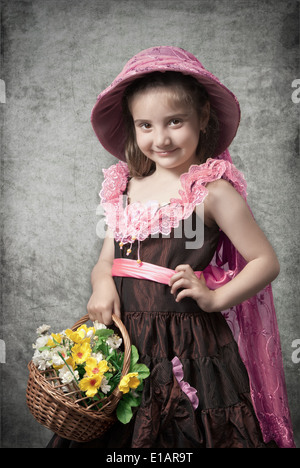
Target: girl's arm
[104,300]
[226,207]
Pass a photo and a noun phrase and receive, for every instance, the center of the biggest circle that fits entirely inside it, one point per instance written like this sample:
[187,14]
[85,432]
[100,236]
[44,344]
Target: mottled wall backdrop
[56,56]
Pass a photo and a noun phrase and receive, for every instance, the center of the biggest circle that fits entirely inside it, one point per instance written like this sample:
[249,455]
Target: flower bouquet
[80,381]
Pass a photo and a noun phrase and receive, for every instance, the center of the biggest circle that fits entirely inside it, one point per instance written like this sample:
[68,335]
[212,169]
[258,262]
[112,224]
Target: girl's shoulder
[208,174]
[115,181]
[223,183]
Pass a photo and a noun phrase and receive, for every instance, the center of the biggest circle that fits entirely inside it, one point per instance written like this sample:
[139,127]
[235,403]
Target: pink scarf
[254,326]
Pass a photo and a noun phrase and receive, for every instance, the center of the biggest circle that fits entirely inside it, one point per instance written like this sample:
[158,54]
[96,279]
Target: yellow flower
[71,363]
[90,385]
[77,336]
[80,334]
[93,367]
[86,329]
[129,381]
[81,352]
[58,339]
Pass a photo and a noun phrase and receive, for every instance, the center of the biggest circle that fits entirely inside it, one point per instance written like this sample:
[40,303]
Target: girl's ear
[205,114]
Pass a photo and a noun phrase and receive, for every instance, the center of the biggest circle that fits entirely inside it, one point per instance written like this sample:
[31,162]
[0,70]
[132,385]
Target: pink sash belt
[126,267]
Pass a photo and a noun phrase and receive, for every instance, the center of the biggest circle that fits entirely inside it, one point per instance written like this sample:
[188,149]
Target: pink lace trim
[136,220]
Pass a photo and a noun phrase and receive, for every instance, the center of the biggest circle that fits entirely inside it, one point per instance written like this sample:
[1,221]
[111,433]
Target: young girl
[200,313]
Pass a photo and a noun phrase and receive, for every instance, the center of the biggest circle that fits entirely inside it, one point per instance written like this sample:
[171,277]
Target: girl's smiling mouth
[165,152]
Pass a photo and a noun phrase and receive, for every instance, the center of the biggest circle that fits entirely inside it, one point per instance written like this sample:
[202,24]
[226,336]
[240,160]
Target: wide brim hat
[107,115]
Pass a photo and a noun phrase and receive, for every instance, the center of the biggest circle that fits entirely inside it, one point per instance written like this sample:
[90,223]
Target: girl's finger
[117,309]
[180,283]
[175,277]
[106,318]
[184,293]
[183,267]
[202,279]
[180,271]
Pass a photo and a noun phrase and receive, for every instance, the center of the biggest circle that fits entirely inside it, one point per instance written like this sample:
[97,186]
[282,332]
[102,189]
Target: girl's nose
[162,138]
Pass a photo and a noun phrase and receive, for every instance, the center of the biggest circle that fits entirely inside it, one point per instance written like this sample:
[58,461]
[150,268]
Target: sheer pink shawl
[254,326]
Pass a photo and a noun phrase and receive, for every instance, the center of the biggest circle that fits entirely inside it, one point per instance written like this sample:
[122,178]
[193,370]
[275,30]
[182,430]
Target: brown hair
[185,89]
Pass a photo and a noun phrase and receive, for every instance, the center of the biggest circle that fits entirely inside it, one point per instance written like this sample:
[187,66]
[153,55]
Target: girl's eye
[145,126]
[175,122]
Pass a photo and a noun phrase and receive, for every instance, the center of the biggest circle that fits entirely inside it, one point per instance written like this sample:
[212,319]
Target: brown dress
[161,329]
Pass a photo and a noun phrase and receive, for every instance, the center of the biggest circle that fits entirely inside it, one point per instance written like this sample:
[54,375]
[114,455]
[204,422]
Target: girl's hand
[104,301]
[193,287]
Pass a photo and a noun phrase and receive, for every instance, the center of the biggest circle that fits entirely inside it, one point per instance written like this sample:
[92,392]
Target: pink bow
[185,387]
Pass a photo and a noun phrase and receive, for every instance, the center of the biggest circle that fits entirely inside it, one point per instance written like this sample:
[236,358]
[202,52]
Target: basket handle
[127,344]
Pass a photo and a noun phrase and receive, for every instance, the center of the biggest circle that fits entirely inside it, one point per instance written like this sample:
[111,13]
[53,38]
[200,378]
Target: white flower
[114,342]
[57,360]
[98,356]
[67,376]
[43,329]
[90,334]
[42,360]
[99,326]
[41,342]
[104,385]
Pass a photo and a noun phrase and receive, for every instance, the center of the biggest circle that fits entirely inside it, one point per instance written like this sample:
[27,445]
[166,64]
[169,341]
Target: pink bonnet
[107,119]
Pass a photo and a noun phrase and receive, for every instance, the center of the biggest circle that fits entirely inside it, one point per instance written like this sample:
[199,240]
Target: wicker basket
[64,413]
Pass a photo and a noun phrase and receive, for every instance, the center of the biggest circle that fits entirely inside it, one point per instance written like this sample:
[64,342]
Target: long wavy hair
[183,89]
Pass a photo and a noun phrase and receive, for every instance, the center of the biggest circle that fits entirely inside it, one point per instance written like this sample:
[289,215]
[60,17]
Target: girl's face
[167,131]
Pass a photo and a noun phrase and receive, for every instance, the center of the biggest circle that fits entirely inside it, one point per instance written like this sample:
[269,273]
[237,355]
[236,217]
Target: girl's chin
[170,161]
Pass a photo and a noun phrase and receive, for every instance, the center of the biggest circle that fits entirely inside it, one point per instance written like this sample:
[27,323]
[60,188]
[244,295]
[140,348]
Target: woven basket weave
[64,413]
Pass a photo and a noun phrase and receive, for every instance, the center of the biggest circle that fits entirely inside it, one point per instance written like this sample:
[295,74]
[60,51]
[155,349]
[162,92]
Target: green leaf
[108,375]
[134,357]
[132,400]
[104,333]
[44,348]
[102,347]
[142,370]
[116,359]
[114,381]
[124,412]
[81,370]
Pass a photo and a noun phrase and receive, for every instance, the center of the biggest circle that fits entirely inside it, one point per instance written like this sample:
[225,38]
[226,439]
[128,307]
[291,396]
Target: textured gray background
[56,56]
